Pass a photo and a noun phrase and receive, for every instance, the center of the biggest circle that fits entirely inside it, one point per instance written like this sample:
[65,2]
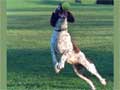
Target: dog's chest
[64,42]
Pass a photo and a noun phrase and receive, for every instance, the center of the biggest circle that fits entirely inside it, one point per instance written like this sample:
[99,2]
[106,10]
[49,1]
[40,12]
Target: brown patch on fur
[75,48]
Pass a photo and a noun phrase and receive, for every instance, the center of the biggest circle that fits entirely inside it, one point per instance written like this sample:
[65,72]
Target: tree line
[100,1]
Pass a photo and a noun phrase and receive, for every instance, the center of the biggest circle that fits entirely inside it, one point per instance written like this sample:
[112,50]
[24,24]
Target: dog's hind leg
[54,59]
[83,77]
[53,53]
[91,68]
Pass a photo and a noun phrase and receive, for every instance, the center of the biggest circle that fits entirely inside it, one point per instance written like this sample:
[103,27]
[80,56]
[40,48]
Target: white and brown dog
[62,45]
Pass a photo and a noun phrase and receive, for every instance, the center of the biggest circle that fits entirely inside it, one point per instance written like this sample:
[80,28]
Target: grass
[29,59]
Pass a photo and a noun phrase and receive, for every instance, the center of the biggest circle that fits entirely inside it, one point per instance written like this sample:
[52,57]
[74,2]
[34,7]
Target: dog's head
[62,21]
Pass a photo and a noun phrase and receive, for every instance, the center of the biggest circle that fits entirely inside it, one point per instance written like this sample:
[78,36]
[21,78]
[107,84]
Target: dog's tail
[77,70]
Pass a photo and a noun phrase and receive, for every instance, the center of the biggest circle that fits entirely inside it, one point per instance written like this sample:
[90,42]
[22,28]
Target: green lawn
[29,59]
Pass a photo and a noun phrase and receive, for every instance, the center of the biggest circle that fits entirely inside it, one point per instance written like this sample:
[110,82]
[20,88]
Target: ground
[28,40]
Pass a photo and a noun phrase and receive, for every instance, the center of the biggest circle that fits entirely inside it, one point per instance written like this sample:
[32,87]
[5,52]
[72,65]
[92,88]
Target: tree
[105,2]
[78,1]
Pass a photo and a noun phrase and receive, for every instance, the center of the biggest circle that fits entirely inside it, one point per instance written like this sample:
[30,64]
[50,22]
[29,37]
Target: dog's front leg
[62,61]
[61,64]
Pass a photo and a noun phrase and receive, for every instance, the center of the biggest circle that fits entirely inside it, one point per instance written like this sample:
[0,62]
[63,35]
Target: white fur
[61,45]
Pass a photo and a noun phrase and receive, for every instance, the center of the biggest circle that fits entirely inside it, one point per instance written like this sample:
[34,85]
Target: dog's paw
[93,88]
[103,81]
[57,69]
[60,65]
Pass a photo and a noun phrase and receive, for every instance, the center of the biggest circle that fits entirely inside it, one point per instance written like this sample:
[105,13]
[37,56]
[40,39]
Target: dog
[62,45]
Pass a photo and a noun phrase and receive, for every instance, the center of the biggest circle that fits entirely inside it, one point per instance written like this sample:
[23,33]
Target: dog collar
[59,30]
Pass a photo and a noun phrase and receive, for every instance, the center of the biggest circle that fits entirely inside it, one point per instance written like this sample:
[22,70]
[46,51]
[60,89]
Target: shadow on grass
[39,61]
[28,60]
[32,68]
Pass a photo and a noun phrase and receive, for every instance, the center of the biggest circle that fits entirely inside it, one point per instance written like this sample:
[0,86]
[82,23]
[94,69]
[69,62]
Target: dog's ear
[75,47]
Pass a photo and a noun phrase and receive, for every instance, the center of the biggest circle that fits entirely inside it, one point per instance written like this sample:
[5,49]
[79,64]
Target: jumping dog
[62,45]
